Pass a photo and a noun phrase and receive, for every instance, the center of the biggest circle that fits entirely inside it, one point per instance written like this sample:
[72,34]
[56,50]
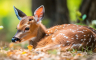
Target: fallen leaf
[39,59]
[9,53]
[79,54]
[11,45]
[1,48]
[23,52]
[30,47]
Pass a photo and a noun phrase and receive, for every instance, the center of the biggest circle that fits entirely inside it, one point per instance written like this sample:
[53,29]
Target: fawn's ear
[19,13]
[39,13]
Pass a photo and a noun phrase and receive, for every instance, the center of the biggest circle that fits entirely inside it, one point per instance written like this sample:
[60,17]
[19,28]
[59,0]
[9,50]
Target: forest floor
[12,52]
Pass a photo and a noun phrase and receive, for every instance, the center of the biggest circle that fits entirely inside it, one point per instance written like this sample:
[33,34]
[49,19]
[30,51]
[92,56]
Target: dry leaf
[1,48]
[79,54]
[11,45]
[30,47]
[23,52]
[9,53]
[39,59]
[67,59]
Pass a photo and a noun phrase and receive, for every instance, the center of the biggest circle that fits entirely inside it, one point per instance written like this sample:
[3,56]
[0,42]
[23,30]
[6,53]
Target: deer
[65,37]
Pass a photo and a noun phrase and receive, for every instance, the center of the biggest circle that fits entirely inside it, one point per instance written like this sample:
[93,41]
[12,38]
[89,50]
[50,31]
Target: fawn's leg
[53,46]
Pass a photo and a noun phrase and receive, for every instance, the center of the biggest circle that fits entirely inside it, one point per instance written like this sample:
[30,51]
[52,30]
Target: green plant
[52,51]
[81,19]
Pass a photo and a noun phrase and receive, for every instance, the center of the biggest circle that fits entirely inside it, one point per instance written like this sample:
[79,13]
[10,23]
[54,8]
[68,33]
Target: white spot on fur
[53,39]
[76,45]
[56,30]
[66,48]
[84,35]
[72,38]
[67,41]
[91,36]
[46,34]
[63,45]
[84,30]
[81,39]
[87,43]
[61,34]
[76,38]
[73,31]
[58,45]
[79,31]
[76,35]
[84,39]
[89,39]
[66,37]
[60,26]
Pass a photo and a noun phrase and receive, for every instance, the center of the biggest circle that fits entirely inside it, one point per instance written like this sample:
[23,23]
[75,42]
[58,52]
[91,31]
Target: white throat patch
[33,38]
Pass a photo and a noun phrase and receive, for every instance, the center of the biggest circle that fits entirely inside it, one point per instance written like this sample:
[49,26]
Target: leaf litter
[31,54]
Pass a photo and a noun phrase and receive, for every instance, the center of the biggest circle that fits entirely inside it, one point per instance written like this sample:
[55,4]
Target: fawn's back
[68,36]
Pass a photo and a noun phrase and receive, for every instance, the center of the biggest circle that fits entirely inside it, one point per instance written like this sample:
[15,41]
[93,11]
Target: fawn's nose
[14,39]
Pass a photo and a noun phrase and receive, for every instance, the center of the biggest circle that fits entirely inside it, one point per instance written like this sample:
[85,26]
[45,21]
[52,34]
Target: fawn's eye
[27,28]
[30,19]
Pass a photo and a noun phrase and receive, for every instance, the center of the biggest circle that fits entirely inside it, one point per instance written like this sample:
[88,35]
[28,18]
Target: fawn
[64,37]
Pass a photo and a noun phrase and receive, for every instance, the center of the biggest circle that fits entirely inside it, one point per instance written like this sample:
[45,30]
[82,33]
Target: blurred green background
[9,20]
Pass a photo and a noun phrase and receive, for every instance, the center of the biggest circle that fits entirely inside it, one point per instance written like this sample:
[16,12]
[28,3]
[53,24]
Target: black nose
[14,39]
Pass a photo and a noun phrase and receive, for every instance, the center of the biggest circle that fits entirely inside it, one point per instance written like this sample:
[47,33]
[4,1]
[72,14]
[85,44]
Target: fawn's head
[28,25]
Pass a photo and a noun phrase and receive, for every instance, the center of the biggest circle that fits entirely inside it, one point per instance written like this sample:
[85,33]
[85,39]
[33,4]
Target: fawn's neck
[41,32]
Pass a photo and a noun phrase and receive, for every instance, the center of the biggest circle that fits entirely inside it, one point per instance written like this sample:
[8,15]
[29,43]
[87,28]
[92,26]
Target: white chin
[17,42]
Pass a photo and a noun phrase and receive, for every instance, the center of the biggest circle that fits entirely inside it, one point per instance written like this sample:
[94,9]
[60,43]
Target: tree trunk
[88,7]
[55,10]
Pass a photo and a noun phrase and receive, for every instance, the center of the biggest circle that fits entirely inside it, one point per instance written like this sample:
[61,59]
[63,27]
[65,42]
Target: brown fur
[61,40]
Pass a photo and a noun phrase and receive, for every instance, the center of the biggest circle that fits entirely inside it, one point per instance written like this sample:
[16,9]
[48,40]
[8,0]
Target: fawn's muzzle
[14,39]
